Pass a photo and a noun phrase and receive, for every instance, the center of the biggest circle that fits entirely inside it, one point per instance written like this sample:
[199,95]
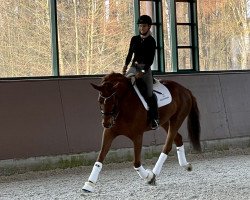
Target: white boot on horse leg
[146,174]
[157,169]
[182,158]
[162,158]
[90,184]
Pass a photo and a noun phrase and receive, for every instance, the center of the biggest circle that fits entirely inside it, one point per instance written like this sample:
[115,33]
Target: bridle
[114,112]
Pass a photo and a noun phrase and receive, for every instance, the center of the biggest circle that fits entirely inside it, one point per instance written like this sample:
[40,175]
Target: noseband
[114,112]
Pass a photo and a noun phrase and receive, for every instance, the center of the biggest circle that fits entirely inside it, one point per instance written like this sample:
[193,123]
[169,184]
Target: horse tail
[193,125]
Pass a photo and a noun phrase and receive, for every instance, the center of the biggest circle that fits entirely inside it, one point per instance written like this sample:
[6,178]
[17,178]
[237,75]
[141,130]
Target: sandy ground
[215,175]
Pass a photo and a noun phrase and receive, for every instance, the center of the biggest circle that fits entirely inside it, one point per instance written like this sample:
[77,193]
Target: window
[184,35]
[224,35]
[154,10]
[94,36]
[25,48]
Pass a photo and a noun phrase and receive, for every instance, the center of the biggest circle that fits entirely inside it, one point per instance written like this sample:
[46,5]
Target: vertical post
[151,10]
[160,41]
[173,35]
[54,37]
[136,16]
[196,64]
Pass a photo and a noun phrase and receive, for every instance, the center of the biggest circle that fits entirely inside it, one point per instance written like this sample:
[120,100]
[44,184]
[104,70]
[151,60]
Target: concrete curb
[14,166]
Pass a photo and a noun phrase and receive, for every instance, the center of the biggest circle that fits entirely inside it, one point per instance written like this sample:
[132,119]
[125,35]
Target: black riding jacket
[143,50]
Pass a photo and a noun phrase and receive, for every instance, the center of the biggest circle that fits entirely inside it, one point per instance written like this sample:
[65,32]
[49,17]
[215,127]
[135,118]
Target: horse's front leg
[143,173]
[107,138]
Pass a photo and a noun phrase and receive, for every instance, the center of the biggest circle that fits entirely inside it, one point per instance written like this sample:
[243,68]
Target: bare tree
[102,31]
[223,34]
[25,38]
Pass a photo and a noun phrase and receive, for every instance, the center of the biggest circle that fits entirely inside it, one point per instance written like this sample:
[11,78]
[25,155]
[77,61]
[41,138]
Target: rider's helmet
[145,19]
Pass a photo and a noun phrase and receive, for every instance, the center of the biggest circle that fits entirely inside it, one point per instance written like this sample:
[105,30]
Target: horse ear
[97,87]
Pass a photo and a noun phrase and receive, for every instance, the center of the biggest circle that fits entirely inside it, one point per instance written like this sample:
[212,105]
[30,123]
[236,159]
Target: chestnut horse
[124,114]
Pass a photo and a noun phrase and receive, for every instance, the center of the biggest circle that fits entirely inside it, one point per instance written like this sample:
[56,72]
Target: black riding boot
[153,111]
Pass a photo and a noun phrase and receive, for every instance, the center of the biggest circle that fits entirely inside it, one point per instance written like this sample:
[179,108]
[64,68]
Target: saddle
[162,93]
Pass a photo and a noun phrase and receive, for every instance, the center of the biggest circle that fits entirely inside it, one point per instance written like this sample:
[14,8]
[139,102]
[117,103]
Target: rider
[143,47]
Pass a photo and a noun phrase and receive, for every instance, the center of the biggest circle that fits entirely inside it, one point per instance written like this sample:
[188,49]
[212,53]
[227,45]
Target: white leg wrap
[157,169]
[89,186]
[181,156]
[142,172]
[95,172]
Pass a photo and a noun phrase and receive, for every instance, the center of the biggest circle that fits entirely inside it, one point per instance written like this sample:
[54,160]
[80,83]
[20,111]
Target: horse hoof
[151,178]
[152,181]
[88,187]
[188,167]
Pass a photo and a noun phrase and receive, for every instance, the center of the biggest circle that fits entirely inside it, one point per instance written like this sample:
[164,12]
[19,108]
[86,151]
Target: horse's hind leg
[172,136]
[166,149]
[171,129]
[181,153]
[108,137]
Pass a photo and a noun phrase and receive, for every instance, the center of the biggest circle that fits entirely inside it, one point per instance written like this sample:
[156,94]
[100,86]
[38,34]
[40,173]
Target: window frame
[193,34]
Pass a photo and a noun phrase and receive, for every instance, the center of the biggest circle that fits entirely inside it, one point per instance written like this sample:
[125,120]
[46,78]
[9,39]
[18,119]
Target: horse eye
[100,100]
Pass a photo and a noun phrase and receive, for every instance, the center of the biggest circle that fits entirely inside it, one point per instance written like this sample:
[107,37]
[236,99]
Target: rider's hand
[138,75]
[124,70]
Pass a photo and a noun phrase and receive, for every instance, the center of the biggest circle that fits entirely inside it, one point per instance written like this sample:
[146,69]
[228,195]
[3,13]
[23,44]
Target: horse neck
[130,104]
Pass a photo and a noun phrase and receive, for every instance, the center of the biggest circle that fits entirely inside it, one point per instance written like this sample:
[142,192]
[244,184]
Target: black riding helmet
[145,19]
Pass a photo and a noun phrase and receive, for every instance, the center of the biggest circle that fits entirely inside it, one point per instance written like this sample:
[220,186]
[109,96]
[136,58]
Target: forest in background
[94,36]
[224,34]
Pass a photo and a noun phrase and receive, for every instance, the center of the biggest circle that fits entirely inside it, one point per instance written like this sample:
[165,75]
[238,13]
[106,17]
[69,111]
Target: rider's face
[144,28]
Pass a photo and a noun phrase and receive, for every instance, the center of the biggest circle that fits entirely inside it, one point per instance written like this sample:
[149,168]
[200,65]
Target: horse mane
[114,77]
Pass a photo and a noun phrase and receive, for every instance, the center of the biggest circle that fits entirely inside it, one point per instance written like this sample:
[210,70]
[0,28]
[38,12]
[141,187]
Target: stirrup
[155,124]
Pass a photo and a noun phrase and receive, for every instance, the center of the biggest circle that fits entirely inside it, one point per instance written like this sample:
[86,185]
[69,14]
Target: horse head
[109,94]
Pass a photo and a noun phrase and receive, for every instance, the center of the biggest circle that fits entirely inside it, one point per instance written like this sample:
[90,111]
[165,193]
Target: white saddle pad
[163,95]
